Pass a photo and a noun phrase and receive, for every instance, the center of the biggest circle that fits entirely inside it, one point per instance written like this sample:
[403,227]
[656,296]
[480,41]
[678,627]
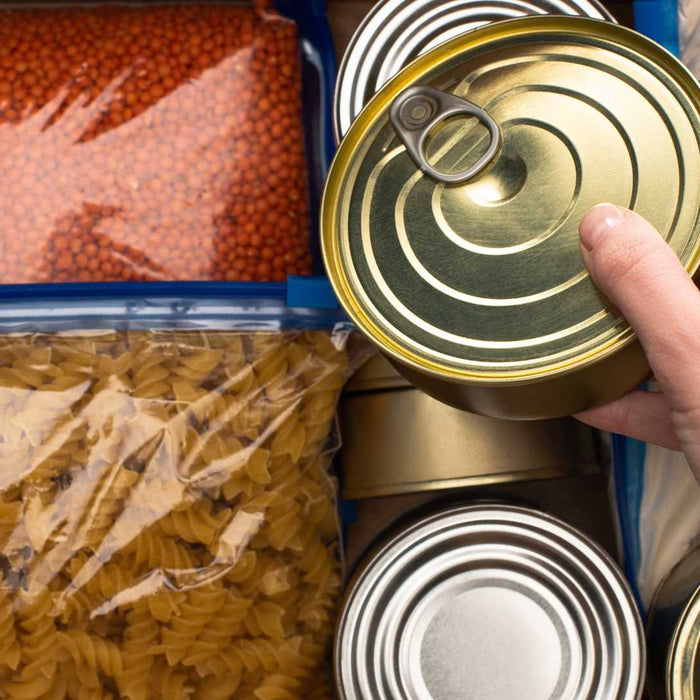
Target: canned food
[489,601]
[395,32]
[673,633]
[394,442]
[450,215]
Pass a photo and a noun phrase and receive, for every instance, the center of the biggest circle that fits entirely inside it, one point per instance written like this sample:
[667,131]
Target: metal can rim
[478,37]
[357,35]
[418,520]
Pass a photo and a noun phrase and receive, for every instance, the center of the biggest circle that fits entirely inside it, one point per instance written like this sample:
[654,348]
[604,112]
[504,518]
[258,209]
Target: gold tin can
[450,215]
[673,633]
[403,441]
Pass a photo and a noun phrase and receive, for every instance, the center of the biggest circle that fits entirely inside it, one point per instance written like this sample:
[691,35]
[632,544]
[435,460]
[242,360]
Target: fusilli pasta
[167,520]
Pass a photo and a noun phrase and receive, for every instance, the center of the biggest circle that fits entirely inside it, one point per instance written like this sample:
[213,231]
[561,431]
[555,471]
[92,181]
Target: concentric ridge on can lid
[483,281]
[683,680]
[499,601]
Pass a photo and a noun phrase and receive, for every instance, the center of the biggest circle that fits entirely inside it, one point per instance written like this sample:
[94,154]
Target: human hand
[633,266]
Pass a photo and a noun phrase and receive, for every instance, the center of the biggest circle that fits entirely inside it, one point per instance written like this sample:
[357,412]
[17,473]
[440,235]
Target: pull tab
[418,110]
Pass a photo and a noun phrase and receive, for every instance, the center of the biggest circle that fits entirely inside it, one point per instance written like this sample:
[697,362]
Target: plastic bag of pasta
[168,524]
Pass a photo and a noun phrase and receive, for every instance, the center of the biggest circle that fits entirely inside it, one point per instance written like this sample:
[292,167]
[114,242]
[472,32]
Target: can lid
[450,217]
[500,600]
[395,32]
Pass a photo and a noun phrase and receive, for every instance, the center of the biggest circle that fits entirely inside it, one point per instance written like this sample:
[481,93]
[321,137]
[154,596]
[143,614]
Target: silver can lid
[397,31]
[489,602]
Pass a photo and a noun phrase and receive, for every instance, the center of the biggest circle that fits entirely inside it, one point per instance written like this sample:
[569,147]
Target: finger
[640,415]
[633,266]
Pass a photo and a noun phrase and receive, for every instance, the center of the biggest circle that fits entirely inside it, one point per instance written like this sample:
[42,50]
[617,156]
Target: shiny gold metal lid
[450,217]
[683,672]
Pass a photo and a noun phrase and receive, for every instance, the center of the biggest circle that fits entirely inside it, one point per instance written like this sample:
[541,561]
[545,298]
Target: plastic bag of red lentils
[151,142]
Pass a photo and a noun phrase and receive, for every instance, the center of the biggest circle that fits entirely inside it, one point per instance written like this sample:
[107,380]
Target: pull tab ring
[418,110]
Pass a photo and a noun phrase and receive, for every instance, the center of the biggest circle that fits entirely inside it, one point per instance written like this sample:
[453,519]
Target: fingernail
[597,222]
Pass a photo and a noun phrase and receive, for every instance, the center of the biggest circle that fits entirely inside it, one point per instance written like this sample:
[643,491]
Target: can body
[553,396]
[491,601]
[673,633]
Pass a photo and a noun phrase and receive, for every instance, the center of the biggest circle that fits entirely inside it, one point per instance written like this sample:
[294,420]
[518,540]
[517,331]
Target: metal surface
[479,291]
[673,633]
[492,602]
[376,374]
[395,32]
[684,663]
[416,112]
[403,441]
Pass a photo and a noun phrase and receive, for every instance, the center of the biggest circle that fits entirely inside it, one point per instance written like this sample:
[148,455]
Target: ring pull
[418,110]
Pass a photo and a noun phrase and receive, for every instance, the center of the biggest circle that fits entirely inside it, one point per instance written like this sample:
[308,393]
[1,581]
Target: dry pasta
[168,524]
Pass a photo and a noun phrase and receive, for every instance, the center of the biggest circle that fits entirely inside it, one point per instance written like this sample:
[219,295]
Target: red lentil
[160,142]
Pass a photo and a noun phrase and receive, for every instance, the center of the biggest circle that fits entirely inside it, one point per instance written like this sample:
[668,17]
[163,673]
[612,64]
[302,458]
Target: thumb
[634,267]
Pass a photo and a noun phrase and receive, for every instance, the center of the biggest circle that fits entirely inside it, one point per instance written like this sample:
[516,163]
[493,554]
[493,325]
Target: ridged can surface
[450,216]
[395,32]
[673,633]
[489,601]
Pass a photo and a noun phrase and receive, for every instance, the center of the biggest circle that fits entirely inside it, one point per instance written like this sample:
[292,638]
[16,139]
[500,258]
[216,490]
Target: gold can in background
[403,441]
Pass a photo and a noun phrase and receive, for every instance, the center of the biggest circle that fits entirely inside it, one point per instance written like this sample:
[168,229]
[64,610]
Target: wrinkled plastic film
[168,523]
[151,142]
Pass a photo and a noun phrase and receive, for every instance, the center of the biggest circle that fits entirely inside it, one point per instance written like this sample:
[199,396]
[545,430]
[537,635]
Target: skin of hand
[634,267]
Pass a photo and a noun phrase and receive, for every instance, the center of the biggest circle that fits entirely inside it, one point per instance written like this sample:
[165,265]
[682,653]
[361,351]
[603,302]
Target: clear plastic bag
[158,141]
[168,524]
